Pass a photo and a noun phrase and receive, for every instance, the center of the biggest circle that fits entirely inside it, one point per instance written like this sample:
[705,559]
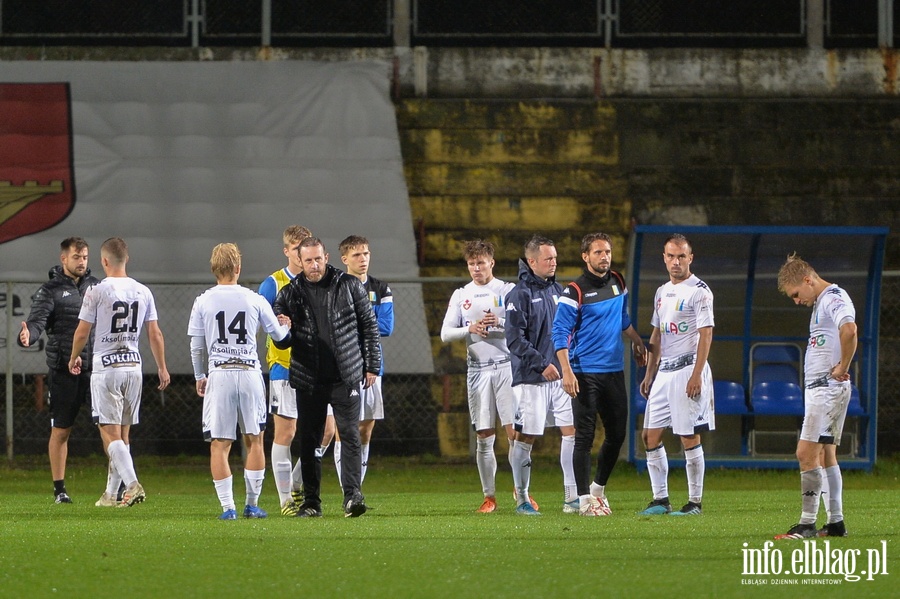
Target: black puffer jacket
[55,308]
[355,337]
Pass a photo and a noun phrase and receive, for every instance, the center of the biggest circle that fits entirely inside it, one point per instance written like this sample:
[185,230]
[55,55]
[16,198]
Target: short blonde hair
[295,234]
[225,261]
[793,271]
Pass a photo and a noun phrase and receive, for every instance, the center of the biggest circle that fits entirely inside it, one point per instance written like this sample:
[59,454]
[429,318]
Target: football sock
[297,477]
[59,486]
[810,485]
[487,464]
[522,470]
[113,481]
[835,493]
[364,461]
[566,448]
[253,480]
[598,490]
[337,459]
[283,480]
[695,465]
[658,468]
[824,495]
[121,461]
[281,455]
[226,496]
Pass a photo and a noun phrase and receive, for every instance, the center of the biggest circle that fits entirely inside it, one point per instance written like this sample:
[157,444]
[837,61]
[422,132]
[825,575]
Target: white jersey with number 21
[118,307]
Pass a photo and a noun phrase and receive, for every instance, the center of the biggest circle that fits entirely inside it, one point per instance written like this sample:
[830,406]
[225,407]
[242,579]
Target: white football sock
[695,465]
[824,495]
[810,485]
[487,464]
[364,460]
[598,490]
[283,481]
[121,461]
[281,468]
[226,495]
[296,477]
[566,449]
[522,470]
[337,460]
[254,481]
[835,493]
[113,480]
[658,468]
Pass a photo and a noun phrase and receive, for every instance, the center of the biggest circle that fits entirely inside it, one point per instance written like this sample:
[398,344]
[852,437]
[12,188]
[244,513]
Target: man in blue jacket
[530,308]
[587,335]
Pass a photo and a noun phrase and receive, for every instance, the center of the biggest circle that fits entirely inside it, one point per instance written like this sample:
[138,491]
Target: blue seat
[777,398]
[730,398]
[855,407]
[785,373]
[775,352]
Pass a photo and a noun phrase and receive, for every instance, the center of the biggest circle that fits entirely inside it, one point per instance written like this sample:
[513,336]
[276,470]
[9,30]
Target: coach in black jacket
[335,345]
[54,308]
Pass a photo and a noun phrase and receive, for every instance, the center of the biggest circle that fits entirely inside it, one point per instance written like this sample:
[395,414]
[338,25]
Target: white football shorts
[669,405]
[371,401]
[116,397]
[234,398]
[491,394]
[542,405]
[825,409]
[282,399]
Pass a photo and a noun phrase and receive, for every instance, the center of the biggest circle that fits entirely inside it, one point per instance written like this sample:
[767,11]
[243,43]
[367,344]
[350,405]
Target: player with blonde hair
[832,345]
[223,325]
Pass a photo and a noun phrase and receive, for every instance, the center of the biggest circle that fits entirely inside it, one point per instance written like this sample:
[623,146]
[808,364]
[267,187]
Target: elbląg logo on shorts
[814,562]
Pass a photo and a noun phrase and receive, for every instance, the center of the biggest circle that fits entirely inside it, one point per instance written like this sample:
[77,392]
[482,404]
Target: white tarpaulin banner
[177,157]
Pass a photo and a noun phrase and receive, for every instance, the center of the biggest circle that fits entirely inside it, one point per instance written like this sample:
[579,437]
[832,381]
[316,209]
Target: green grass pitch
[422,537]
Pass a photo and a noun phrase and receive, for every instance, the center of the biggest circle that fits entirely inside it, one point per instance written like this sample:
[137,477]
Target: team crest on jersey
[466,304]
[615,290]
[372,297]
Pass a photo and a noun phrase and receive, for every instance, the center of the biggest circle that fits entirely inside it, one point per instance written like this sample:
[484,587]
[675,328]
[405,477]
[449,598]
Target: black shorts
[67,394]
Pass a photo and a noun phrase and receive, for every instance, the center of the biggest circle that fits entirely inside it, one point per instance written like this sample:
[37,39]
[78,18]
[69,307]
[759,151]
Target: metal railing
[612,23]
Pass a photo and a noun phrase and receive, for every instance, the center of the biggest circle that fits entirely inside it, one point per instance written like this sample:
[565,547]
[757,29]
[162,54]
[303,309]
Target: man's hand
[490,319]
[24,335]
[75,365]
[693,386]
[201,387]
[837,373]
[478,328]
[640,354]
[570,382]
[164,378]
[284,319]
[551,373]
[370,380]
[645,387]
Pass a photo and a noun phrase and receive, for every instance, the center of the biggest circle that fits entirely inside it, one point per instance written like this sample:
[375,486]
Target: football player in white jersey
[832,345]
[678,384]
[477,314]
[118,308]
[224,322]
